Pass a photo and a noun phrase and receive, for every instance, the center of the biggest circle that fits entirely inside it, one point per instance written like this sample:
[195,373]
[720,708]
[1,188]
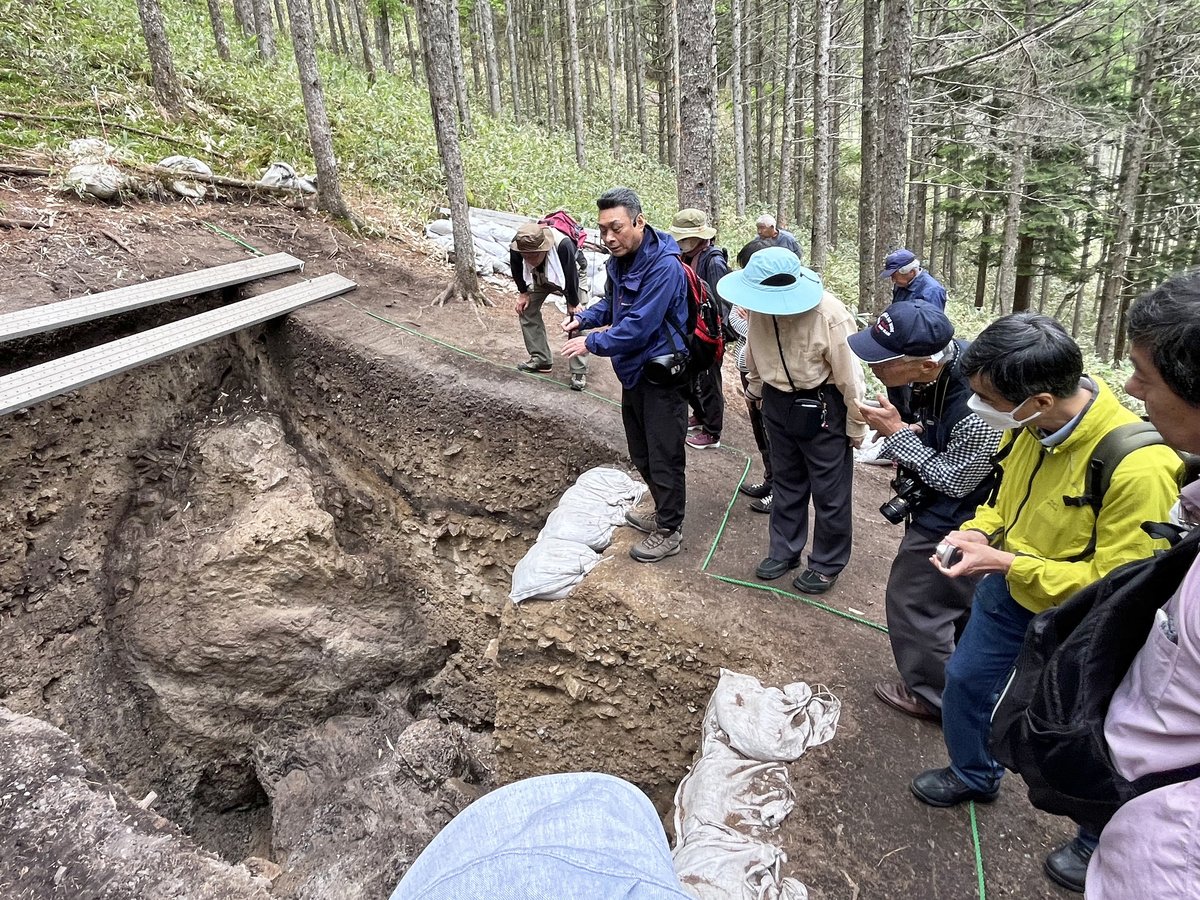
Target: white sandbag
[611,483]
[723,787]
[278,174]
[90,149]
[718,863]
[440,227]
[97,179]
[772,724]
[193,190]
[571,523]
[551,569]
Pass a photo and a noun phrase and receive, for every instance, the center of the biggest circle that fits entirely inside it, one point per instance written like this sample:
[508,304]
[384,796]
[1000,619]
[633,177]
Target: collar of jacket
[1098,419]
[655,243]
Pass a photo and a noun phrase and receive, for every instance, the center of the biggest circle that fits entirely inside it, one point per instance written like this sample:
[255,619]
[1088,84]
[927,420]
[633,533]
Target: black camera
[666,371]
[911,496]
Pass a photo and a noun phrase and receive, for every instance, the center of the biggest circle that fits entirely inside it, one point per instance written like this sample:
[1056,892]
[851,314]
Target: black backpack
[704,267]
[1048,725]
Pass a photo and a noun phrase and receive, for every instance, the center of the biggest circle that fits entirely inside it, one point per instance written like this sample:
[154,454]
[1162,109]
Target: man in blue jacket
[645,304]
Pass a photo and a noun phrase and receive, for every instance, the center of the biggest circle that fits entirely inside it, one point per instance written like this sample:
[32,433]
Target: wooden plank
[59,376]
[52,316]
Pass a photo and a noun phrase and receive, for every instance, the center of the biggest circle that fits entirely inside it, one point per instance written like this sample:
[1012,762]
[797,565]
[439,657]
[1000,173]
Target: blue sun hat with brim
[773,282]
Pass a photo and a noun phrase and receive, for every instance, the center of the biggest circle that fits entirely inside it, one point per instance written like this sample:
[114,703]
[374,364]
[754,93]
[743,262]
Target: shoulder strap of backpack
[1109,453]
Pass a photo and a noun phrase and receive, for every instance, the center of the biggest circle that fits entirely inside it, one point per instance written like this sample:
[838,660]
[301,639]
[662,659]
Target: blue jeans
[975,675]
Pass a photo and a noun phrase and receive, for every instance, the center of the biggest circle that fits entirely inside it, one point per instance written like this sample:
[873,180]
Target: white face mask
[997,419]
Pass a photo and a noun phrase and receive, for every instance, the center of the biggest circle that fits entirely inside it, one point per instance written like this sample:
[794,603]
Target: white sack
[583,526]
[193,190]
[772,724]
[717,863]
[724,787]
[98,179]
[90,148]
[439,226]
[551,569]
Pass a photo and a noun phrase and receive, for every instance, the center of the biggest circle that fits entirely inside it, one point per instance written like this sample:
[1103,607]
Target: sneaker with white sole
[642,521]
[693,424]
[702,440]
[657,545]
[578,382]
[762,504]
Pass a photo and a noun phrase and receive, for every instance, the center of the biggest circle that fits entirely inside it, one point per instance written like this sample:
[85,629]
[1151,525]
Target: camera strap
[779,344]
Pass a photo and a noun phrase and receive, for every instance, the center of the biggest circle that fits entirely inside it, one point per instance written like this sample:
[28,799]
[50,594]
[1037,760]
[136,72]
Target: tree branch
[1007,45]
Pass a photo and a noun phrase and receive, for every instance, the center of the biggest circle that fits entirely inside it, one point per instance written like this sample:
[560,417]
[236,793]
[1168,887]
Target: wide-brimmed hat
[897,260]
[532,238]
[773,282]
[907,328]
[691,223]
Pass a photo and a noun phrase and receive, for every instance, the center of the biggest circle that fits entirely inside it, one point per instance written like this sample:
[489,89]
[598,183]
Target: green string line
[232,237]
[728,510]
[803,599]
[716,540]
[978,850]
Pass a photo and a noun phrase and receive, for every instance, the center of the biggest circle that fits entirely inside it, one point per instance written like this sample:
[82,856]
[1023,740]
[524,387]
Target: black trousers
[655,419]
[707,399]
[760,431]
[926,615]
[819,468]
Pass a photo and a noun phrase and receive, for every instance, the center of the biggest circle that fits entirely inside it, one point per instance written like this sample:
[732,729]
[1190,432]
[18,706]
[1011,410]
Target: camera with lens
[669,370]
[911,496]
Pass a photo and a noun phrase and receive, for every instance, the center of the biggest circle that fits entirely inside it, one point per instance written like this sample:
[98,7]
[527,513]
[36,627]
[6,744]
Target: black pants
[926,615]
[707,399]
[655,420]
[760,431]
[818,468]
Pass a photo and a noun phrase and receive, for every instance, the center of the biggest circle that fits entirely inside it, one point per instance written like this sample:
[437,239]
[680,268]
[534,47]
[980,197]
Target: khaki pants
[533,331]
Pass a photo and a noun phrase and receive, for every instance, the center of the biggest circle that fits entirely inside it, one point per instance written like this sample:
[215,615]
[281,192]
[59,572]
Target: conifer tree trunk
[457,70]
[243,14]
[895,65]
[639,69]
[491,57]
[364,39]
[868,183]
[822,162]
[383,38]
[671,18]
[835,141]
[514,75]
[784,197]
[218,28]
[264,30]
[329,191]
[1132,161]
[474,30]
[614,114]
[410,49]
[336,7]
[697,130]
[550,62]
[281,22]
[433,17]
[573,84]
[162,66]
[739,123]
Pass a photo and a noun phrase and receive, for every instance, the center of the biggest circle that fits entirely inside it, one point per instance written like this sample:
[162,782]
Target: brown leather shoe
[897,695]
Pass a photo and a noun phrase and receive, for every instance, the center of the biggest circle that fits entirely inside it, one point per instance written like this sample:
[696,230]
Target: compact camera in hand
[947,554]
[911,496]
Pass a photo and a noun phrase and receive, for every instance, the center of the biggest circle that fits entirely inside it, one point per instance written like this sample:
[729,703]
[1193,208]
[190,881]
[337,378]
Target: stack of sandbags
[575,534]
[738,790]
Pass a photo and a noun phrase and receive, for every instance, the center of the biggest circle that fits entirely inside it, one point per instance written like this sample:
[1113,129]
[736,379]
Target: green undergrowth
[85,60]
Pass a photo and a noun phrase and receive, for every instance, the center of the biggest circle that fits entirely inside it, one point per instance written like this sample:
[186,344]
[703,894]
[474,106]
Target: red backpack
[562,222]
[706,338]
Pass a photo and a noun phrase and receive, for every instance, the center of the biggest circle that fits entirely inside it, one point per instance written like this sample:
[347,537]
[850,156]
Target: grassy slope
[78,58]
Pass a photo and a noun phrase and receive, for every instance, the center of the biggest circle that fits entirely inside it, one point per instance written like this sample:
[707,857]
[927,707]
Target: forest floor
[856,831]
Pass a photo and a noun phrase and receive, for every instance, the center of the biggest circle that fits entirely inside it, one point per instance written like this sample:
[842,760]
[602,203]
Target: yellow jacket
[1031,519]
